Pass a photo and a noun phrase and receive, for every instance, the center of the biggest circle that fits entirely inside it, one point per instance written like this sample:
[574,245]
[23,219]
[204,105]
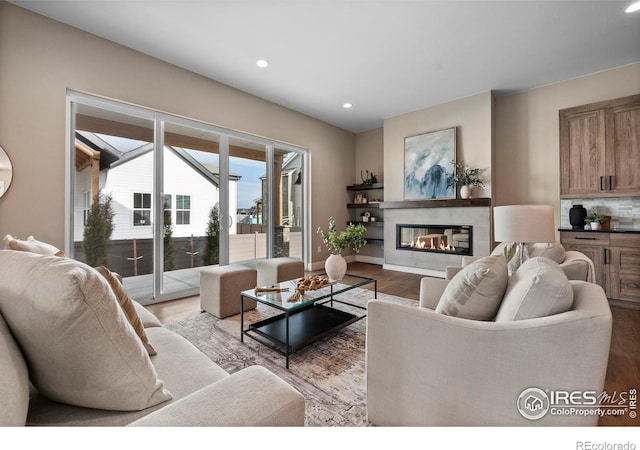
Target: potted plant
[595,220]
[465,178]
[350,238]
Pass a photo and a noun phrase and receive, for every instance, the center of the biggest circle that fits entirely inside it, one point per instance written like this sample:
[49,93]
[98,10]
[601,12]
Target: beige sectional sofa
[70,356]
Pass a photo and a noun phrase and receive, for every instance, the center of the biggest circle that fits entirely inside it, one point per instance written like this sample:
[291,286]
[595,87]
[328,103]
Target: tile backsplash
[624,211]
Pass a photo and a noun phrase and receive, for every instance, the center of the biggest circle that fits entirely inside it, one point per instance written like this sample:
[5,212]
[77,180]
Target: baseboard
[370,259]
[416,270]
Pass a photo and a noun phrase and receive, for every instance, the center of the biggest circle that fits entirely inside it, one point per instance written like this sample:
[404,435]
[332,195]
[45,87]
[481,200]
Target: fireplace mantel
[436,203]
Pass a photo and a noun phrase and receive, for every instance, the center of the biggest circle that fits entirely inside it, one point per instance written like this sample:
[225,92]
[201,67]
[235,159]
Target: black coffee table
[310,318]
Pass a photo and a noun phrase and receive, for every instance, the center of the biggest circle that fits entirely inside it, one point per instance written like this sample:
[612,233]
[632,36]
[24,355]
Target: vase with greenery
[465,178]
[350,238]
[596,220]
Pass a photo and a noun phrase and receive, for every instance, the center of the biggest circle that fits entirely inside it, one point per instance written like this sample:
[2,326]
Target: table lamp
[522,224]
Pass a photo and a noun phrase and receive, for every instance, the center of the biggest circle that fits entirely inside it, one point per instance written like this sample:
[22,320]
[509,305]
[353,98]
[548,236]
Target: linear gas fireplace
[453,239]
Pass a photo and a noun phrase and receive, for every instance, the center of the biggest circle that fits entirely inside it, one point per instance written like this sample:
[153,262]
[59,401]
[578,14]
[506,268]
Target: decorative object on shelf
[351,238]
[519,224]
[577,214]
[428,165]
[360,198]
[6,172]
[366,215]
[595,220]
[465,178]
[369,179]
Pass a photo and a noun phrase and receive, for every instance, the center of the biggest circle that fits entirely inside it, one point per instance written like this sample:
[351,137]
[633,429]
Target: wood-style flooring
[623,372]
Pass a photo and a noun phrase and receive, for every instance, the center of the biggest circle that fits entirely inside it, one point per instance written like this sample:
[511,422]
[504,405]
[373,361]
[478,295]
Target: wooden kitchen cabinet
[600,149]
[616,259]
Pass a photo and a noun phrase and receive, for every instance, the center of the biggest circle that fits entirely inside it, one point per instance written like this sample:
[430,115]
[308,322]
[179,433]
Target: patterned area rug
[329,373]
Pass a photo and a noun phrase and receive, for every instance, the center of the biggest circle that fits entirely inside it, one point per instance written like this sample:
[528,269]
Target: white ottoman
[275,270]
[220,289]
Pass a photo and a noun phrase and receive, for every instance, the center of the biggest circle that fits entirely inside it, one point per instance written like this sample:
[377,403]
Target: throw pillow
[127,307]
[31,245]
[538,288]
[476,291]
[554,251]
[14,381]
[79,347]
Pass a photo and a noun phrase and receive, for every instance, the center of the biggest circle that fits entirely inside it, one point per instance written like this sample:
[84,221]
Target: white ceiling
[385,57]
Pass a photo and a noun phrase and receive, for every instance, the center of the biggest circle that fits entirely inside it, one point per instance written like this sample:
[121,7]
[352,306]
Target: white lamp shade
[524,223]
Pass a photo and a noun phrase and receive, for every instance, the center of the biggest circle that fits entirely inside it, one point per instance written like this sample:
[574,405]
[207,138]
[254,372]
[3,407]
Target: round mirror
[6,172]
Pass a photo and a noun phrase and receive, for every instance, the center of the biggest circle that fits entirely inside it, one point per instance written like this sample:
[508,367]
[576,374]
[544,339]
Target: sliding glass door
[157,198]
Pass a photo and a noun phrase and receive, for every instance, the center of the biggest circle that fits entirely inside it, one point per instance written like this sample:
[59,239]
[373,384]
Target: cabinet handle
[602,183]
[605,256]
[586,238]
[610,182]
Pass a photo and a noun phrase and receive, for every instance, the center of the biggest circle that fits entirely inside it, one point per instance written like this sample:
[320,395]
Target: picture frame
[429,164]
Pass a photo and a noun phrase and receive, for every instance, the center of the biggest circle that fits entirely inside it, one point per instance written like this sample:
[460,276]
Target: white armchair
[430,369]
[576,265]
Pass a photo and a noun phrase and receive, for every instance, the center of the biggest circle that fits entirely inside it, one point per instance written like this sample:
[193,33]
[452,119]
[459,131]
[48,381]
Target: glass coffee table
[304,320]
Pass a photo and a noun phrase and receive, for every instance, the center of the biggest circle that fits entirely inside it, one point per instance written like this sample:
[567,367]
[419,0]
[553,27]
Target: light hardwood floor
[623,372]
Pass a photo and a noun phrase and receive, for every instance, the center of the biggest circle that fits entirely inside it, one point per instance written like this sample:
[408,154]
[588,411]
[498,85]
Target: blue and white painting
[429,166]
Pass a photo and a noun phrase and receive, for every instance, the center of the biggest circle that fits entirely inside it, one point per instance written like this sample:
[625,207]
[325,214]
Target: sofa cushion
[127,307]
[476,291]
[14,381]
[31,245]
[538,288]
[554,251]
[77,342]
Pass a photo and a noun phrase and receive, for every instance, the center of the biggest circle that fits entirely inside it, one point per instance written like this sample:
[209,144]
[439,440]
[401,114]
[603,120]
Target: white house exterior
[190,190]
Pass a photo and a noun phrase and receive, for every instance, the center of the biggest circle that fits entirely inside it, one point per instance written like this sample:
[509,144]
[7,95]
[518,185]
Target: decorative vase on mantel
[577,213]
[465,192]
[335,266]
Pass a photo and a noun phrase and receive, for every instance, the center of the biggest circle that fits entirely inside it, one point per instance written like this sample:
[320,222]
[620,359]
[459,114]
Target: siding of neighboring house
[135,176]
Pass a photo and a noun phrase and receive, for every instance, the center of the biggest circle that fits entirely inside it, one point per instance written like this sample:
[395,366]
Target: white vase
[336,267]
[465,192]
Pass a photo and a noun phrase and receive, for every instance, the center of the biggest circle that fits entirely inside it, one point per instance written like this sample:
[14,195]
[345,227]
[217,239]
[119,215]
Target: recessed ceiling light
[347,105]
[633,7]
[262,63]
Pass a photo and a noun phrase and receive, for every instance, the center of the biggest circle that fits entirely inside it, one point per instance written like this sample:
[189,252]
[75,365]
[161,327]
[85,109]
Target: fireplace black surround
[452,239]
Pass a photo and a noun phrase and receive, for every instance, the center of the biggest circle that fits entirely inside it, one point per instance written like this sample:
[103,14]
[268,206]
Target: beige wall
[527,133]
[473,117]
[370,154]
[40,59]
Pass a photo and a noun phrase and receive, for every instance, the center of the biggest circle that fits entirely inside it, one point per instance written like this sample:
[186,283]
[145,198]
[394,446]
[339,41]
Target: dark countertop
[613,230]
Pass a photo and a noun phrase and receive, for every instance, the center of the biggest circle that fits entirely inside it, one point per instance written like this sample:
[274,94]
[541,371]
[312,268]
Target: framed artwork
[429,162]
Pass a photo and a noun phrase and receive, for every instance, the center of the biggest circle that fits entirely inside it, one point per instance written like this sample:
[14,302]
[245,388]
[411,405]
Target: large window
[176,195]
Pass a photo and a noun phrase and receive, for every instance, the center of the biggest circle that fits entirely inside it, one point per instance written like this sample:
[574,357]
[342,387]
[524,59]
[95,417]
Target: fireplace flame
[431,243]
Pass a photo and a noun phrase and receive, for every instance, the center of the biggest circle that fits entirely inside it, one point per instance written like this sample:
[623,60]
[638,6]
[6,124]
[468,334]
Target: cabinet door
[623,142]
[600,262]
[582,153]
[625,267]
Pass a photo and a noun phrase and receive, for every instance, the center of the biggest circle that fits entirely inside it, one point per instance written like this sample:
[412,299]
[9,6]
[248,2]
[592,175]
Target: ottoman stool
[220,289]
[275,270]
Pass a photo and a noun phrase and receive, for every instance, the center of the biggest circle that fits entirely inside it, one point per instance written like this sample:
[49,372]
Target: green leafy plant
[465,176]
[98,231]
[595,217]
[352,237]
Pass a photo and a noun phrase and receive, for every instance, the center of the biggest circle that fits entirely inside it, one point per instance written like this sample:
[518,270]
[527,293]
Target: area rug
[330,373]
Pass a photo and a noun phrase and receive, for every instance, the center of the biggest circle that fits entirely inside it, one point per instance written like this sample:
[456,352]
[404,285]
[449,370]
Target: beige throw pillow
[127,307]
[476,291]
[538,288]
[77,342]
[554,251]
[14,381]
[31,245]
